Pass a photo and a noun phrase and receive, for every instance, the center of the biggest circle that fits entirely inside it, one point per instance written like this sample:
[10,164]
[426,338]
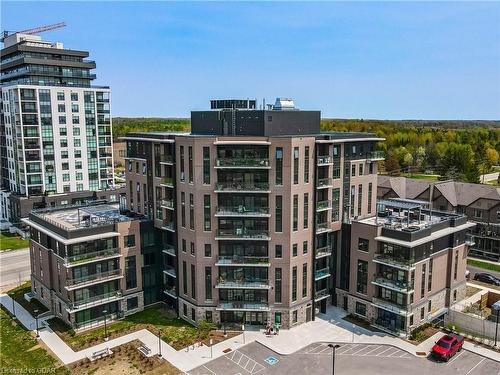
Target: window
[336,170]
[130,272]
[193,314]
[360,198]
[74,108]
[74,96]
[206,165]
[429,306]
[190,164]
[304,247]
[61,108]
[304,280]
[63,131]
[278,251]
[132,303]
[181,151]
[306,165]
[183,209]
[184,278]
[336,204]
[429,282]
[306,210]
[184,310]
[207,223]
[360,170]
[295,165]
[184,246]
[208,316]
[60,96]
[294,316]
[62,120]
[277,285]
[370,192]
[279,214]
[363,244]
[193,281]
[455,266]
[191,248]
[360,308]
[294,249]
[478,214]
[294,284]
[279,166]
[353,170]
[362,277]
[191,211]
[208,283]
[77,142]
[295,213]
[208,250]
[353,195]
[422,284]
[422,313]
[129,241]
[78,164]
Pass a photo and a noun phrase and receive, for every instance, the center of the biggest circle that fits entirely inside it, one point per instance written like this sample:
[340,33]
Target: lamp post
[243,330]
[211,348]
[496,307]
[333,356]
[105,326]
[36,322]
[13,309]
[159,342]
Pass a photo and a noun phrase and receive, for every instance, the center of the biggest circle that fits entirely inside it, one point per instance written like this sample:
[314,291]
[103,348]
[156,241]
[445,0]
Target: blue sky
[394,60]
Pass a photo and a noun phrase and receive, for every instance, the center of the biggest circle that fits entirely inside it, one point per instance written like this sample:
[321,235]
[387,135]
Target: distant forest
[460,150]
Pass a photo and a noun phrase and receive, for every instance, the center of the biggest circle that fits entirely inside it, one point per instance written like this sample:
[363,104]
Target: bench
[144,350]
[100,353]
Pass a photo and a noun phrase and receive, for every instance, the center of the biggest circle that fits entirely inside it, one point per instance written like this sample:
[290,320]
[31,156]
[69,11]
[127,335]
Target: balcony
[324,160]
[170,271]
[324,183]
[242,211]
[323,227]
[94,301]
[242,234]
[96,278]
[77,260]
[324,251]
[170,250]
[321,274]
[246,261]
[167,159]
[243,306]
[375,156]
[387,305]
[321,294]
[470,240]
[234,187]
[167,181]
[396,285]
[170,291]
[243,284]
[242,163]
[169,204]
[170,226]
[323,205]
[391,261]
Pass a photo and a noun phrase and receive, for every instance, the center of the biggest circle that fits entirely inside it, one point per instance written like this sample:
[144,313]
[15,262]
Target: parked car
[447,346]
[487,278]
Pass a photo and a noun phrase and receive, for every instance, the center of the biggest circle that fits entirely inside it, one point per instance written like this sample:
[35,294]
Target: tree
[392,166]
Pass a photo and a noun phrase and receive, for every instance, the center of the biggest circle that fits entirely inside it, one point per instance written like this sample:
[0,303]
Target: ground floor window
[295,316]
[277,318]
[390,320]
[208,316]
[243,317]
[360,308]
[132,303]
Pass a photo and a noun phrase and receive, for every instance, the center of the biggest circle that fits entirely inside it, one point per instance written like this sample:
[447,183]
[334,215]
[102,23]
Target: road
[474,270]
[14,267]
[489,177]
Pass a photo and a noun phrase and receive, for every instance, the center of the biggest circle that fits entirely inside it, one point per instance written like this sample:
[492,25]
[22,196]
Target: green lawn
[483,265]
[18,351]
[17,294]
[9,241]
[176,332]
[418,176]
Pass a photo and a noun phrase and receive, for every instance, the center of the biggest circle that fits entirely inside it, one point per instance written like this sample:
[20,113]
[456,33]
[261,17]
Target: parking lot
[351,359]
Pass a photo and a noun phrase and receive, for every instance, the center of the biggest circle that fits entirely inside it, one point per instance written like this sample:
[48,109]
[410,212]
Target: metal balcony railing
[92,256]
[168,225]
[320,294]
[242,211]
[392,306]
[323,251]
[243,284]
[324,182]
[256,162]
[243,305]
[242,260]
[242,186]
[242,233]
[375,155]
[325,160]
[393,261]
[170,250]
[322,227]
[170,290]
[96,277]
[323,205]
[170,270]
[167,203]
[95,300]
[166,159]
[168,181]
[321,273]
[400,285]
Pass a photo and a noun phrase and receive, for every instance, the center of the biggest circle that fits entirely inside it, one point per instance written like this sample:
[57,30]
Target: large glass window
[182,176]
[279,166]
[306,210]
[295,165]
[130,272]
[360,198]
[304,280]
[279,214]
[277,285]
[183,209]
[206,165]
[306,165]
[207,223]
[370,192]
[362,277]
[184,278]
[191,211]
[295,212]
[294,284]
[190,166]
[208,283]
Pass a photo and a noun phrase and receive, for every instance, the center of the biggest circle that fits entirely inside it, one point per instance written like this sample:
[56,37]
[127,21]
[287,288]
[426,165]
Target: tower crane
[35,30]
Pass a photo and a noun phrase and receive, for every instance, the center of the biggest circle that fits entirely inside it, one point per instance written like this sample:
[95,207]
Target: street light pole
[14,308]
[243,330]
[496,328]
[36,322]
[159,342]
[333,356]
[105,326]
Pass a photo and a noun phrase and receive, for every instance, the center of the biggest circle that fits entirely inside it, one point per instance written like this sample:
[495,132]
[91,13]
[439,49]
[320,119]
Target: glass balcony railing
[323,251]
[168,225]
[242,261]
[243,306]
[167,203]
[323,205]
[256,162]
[242,211]
[394,261]
[323,227]
[321,294]
[470,240]
[325,160]
[92,279]
[390,305]
[376,155]
[167,181]
[399,285]
[170,290]
[92,256]
[170,250]
[243,284]
[243,233]
[166,159]
[170,270]
[231,187]
[95,300]
[324,183]
[322,273]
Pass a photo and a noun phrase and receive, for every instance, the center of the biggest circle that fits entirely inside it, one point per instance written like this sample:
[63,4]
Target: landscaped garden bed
[422,333]
[174,331]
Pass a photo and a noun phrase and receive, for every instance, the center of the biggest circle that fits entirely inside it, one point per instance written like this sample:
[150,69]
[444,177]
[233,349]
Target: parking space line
[450,362]
[395,350]
[313,349]
[354,346]
[477,364]
[378,346]
[245,366]
[389,348]
[324,350]
[360,350]
[209,370]
[397,354]
[255,364]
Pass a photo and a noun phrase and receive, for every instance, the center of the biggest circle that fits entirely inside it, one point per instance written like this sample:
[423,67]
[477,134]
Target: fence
[473,327]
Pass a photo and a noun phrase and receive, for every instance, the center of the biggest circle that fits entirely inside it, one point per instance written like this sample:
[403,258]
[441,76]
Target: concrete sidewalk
[329,327]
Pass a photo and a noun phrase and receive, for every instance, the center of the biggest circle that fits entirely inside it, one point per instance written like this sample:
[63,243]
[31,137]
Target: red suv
[447,346]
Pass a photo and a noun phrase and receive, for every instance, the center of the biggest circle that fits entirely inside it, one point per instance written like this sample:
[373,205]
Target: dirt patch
[126,359]
[470,291]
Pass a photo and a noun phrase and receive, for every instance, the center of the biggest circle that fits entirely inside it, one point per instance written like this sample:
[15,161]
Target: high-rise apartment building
[251,204]
[55,126]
